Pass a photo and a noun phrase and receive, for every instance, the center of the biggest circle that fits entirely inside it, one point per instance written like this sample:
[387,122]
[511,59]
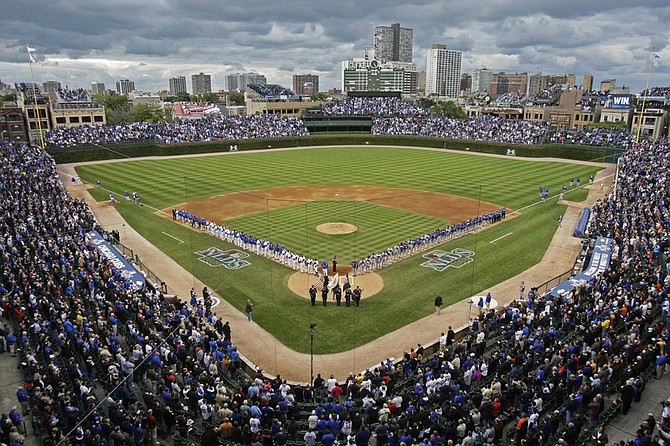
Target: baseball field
[387,195]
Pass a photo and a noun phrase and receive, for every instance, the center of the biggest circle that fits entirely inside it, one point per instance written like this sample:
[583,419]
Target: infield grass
[409,288]
[378,227]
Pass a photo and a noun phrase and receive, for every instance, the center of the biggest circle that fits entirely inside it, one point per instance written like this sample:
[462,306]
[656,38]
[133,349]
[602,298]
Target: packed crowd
[480,128]
[553,369]
[271,90]
[593,136]
[549,94]
[30,92]
[210,128]
[85,336]
[511,100]
[549,366]
[379,106]
[369,263]
[590,100]
[656,91]
[78,95]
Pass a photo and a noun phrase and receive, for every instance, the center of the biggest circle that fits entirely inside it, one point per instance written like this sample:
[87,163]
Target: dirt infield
[224,207]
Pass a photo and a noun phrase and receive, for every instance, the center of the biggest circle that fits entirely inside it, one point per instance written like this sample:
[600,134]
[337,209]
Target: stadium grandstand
[382,106]
[548,96]
[511,100]
[109,360]
[30,93]
[380,116]
[77,96]
[211,127]
[273,92]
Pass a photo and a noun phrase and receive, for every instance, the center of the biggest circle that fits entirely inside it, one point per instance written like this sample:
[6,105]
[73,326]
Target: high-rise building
[177,85]
[239,81]
[393,43]
[98,88]
[443,71]
[502,83]
[49,86]
[125,86]
[466,82]
[587,83]
[201,83]
[481,80]
[306,84]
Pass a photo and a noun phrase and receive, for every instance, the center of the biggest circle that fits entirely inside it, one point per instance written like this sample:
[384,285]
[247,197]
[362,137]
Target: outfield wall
[149,148]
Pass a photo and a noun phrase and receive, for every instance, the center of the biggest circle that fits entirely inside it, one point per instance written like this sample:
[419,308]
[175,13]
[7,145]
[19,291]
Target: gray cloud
[96,40]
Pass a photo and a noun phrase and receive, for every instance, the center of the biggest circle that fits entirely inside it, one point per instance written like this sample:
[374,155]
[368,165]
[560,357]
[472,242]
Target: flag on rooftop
[31,50]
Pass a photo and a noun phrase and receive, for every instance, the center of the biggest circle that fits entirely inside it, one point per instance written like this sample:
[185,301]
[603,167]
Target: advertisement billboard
[621,101]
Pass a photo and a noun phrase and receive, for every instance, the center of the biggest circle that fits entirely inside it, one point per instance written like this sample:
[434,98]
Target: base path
[275,358]
[224,207]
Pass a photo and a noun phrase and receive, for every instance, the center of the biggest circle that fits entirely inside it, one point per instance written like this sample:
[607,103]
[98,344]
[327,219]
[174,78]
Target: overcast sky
[149,41]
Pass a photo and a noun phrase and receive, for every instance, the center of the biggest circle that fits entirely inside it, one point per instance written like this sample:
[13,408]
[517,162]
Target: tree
[449,109]
[117,109]
[236,98]
[112,102]
[183,97]
[619,125]
[10,97]
[210,98]
[321,96]
[118,116]
[426,103]
[147,113]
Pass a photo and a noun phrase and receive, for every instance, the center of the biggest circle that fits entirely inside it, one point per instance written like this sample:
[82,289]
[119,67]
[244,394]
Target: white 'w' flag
[334,282]
[657,60]
[30,54]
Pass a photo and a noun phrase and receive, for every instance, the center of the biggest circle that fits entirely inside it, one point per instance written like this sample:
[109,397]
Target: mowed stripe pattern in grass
[409,288]
[506,181]
[378,227]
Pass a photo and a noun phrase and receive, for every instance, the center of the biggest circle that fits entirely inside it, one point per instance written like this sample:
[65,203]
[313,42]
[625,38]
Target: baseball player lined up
[298,262]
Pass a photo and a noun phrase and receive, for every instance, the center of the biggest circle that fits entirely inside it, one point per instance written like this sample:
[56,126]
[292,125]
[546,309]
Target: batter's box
[440,260]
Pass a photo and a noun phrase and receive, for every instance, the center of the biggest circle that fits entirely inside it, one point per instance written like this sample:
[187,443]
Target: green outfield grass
[409,288]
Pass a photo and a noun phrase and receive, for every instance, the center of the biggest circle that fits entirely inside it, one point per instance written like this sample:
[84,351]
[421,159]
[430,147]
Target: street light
[311,353]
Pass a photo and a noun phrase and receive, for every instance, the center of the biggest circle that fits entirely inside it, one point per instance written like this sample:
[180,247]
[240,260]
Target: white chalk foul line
[172,236]
[500,238]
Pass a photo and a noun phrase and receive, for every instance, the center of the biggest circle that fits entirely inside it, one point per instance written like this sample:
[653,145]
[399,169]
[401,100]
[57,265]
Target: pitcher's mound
[336,228]
[370,283]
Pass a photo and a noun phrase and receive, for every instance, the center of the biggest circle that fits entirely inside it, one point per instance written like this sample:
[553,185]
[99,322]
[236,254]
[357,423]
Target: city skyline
[79,42]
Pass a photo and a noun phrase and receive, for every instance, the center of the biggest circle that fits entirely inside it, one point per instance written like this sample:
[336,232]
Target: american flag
[319,284]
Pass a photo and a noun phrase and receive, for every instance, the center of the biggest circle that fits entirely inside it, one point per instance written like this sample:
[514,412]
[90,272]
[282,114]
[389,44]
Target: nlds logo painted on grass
[230,259]
[441,260]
